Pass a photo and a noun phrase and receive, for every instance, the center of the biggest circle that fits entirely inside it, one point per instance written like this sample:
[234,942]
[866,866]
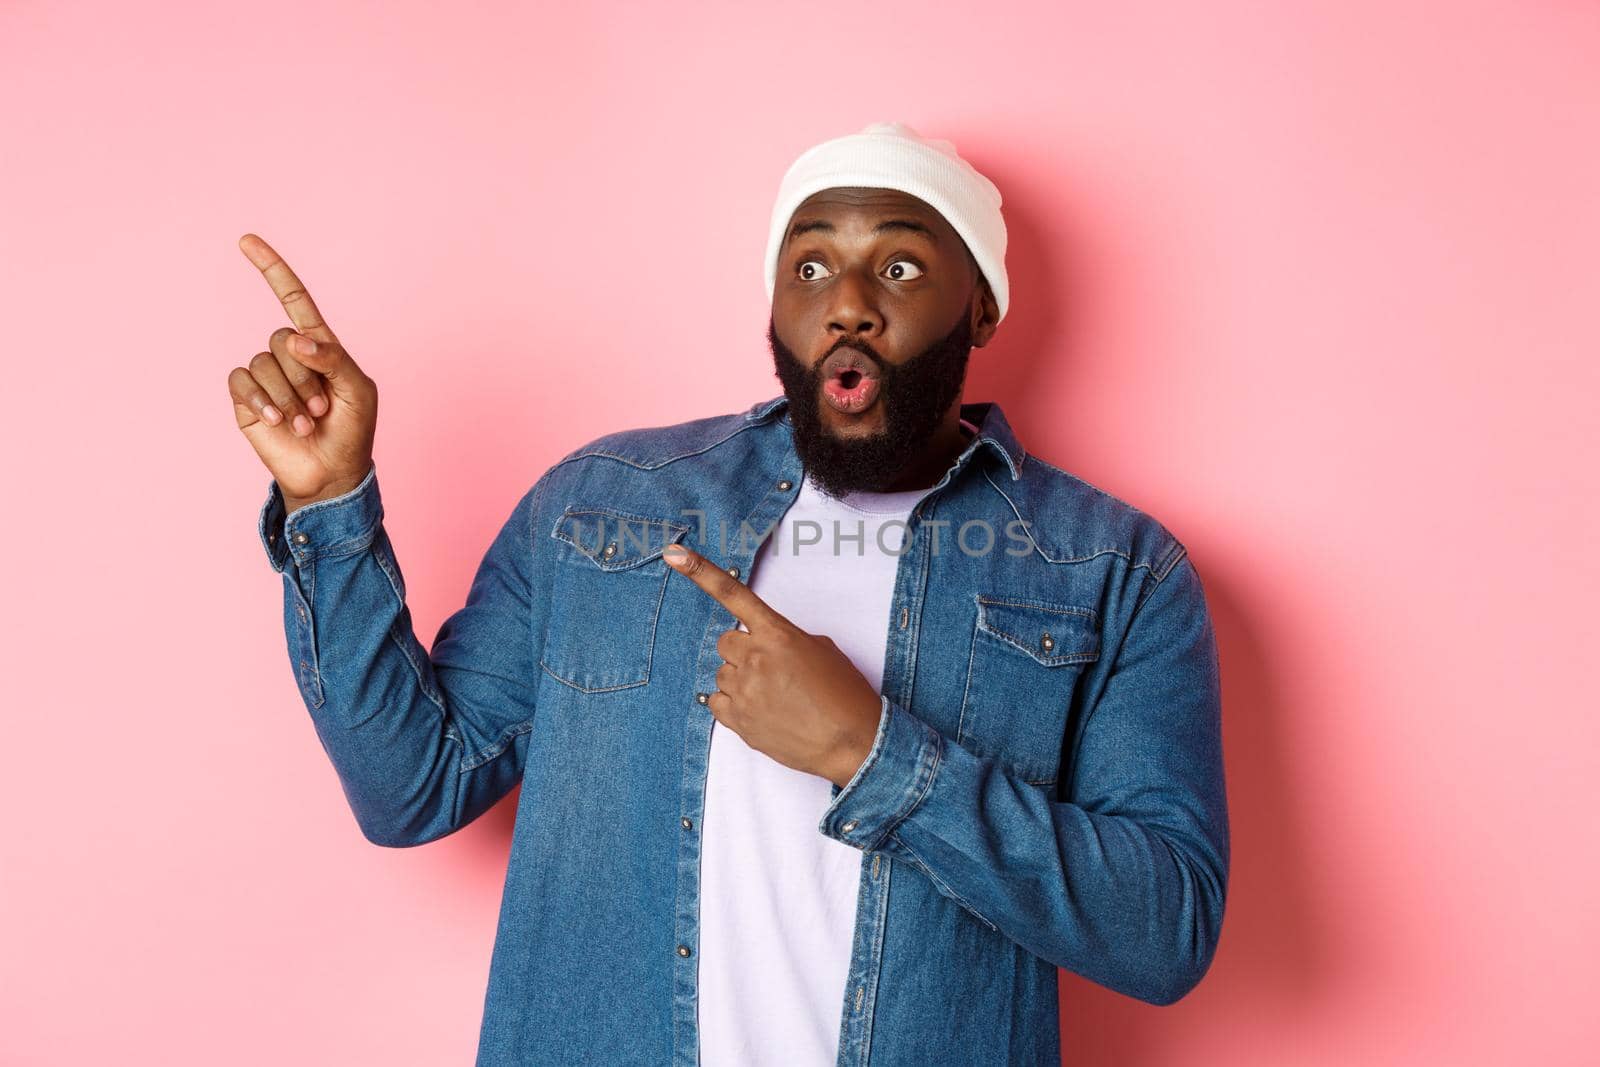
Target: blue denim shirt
[1045,788]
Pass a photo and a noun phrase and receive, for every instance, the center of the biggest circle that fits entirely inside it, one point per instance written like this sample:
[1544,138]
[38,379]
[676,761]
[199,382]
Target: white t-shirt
[778,897]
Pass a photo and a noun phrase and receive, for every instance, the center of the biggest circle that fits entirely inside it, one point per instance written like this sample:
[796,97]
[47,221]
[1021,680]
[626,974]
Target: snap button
[733,572]
[272,538]
[847,827]
[300,610]
[611,550]
[683,950]
[702,697]
[300,537]
[785,484]
[1047,642]
[687,825]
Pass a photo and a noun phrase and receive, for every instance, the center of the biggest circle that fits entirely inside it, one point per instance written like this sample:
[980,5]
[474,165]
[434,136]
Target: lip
[853,399]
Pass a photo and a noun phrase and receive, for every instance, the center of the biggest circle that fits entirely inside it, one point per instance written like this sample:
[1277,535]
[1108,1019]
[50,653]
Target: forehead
[851,206]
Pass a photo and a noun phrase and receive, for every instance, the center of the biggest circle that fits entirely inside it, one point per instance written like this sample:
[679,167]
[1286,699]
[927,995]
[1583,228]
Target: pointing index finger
[291,293]
[723,587]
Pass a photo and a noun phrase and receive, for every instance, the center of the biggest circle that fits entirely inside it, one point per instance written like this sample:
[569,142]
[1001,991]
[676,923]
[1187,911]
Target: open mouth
[850,381]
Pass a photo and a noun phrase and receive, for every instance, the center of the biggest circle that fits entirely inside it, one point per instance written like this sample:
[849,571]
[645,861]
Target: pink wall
[1316,287]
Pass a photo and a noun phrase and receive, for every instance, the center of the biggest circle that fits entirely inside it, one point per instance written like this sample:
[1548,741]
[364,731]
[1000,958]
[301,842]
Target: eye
[801,270]
[905,263]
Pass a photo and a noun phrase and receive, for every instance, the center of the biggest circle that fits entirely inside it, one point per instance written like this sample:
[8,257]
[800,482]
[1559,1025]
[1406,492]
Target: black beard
[915,394]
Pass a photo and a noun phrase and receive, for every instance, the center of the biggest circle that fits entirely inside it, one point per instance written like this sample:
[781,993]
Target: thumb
[329,359]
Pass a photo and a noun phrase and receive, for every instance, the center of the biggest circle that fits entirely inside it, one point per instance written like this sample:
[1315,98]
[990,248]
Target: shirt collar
[994,432]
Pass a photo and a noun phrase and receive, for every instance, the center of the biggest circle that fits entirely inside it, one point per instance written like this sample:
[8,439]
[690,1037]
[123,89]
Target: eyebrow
[886,226]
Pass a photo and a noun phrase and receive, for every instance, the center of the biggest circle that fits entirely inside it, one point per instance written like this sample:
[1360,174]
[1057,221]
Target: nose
[853,311]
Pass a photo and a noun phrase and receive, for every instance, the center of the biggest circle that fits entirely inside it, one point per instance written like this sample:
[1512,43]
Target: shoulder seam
[1174,555]
[584,452]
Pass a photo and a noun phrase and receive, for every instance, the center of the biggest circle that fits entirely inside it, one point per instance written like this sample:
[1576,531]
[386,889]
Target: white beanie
[891,155]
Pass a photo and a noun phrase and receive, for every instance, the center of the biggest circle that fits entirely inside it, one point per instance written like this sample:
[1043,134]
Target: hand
[789,694]
[310,417]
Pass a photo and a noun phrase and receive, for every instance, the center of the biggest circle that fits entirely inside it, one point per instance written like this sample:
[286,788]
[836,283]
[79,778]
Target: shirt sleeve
[423,741]
[1125,884]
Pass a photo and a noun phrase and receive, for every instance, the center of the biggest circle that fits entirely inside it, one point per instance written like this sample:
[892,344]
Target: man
[818,796]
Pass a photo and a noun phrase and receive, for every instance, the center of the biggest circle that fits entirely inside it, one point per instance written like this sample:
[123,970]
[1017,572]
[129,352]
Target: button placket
[697,739]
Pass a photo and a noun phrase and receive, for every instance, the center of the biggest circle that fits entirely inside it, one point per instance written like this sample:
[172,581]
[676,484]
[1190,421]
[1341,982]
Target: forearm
[412,766]
[1133,905]
[1124,885]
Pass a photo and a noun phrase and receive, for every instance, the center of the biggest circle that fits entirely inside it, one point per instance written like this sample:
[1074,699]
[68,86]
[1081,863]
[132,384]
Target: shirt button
[847,827]
[683,950]
[299,609]
[785,484]
[611,550]
[733,572]
[1047,642]
[272,537]
[702,697]
[687,824]
[300,537]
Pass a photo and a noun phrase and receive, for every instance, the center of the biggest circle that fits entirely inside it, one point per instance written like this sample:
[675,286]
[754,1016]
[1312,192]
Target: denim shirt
[1045,788]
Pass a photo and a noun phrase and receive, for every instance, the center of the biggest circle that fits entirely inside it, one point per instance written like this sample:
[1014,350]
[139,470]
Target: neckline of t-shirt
[869,503]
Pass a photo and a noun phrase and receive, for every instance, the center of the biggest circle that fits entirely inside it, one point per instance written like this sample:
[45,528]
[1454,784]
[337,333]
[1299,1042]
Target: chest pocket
[1027,657]
[606,597]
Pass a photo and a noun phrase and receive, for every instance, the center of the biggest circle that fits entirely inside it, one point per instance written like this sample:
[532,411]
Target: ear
[985,313]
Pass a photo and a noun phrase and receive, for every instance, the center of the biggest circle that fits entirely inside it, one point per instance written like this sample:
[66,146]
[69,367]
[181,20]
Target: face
[876,307]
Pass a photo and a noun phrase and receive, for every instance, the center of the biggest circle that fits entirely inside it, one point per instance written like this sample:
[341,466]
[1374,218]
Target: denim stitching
[944,886]
[350,546]
[509,734]
[1059,659]
[966,690]
[649,650]
[961,720]
[676,531]
[597,689]
[318,697]
[934,760]
[659,463]
[1093,554]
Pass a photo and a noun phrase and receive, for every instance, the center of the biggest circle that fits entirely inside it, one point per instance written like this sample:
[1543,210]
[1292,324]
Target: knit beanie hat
[891,155]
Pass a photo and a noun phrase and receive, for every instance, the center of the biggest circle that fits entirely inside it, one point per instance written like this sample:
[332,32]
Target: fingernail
[675,555]
[318,404]
[273,415]
[299,420]
[304,345]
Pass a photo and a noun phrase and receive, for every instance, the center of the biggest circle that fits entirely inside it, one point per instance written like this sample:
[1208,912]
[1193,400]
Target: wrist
[291,504]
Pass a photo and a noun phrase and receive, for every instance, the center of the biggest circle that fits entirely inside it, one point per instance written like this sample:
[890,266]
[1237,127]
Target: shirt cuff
[336,526]
[890,782]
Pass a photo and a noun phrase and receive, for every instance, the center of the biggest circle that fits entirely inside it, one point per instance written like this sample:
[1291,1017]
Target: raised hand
[310,415]
[792,695]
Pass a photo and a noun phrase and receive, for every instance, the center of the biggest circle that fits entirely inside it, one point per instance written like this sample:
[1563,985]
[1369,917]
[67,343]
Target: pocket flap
[1052,634]
[616,540]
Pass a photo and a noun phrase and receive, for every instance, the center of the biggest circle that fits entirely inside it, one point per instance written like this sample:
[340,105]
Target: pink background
[1315,285]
